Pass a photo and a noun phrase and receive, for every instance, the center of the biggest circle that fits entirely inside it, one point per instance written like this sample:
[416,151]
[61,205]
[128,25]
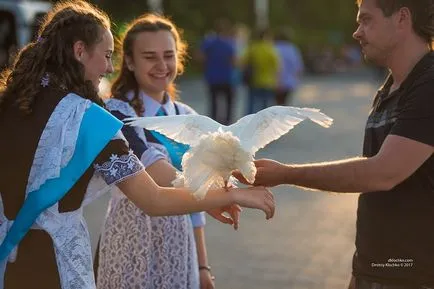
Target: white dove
[217,150]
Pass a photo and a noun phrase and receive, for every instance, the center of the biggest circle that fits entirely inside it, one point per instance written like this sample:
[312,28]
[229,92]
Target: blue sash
[175,149]
[96,130]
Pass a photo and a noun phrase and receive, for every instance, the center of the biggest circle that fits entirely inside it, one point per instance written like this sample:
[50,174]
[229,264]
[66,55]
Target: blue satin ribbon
[98,127]
[175,149]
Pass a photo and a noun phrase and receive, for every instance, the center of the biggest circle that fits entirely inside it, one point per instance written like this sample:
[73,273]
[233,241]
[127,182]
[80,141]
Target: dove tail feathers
[199,176]
[200,193]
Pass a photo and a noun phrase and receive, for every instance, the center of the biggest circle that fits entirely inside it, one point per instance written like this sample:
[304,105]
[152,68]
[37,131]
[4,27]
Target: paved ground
[310,242]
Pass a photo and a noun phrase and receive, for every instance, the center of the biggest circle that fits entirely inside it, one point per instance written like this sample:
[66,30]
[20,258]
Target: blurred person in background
[261,63]
[218,55]
[291,67]
[241,37]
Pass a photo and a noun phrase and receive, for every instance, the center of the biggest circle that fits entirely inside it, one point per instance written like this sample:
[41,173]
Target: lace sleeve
[117,162]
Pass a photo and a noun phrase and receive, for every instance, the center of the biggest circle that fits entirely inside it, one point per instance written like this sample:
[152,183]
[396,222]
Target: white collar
[151,106]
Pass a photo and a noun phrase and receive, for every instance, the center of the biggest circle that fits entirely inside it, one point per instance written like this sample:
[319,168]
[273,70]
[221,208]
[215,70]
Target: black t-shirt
[395,229]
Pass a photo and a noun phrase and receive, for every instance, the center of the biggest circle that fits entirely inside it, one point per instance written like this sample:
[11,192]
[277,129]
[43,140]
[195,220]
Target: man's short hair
[422,14]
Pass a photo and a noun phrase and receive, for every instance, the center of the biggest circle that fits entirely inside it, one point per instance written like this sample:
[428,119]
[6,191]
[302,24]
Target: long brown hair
[126,81]
[66,23]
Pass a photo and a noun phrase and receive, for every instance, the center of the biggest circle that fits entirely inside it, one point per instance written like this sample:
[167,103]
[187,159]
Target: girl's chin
[160,85]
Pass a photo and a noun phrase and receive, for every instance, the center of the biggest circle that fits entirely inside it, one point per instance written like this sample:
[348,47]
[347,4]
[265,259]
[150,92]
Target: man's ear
[404,17]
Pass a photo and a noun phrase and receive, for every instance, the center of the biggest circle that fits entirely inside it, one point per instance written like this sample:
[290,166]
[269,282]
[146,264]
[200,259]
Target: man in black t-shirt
[395,175]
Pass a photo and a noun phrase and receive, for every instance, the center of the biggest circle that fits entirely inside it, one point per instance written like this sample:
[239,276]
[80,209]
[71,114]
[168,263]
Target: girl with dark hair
[61,150]
[168,252]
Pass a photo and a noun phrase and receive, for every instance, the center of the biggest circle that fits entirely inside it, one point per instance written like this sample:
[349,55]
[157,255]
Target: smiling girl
[63,150]
[167,252]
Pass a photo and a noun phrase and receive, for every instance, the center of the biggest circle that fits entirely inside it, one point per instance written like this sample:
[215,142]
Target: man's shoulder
[425,79]
[422,75]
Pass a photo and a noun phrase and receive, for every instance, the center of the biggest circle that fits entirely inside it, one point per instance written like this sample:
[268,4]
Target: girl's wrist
[234,194]
[205,268]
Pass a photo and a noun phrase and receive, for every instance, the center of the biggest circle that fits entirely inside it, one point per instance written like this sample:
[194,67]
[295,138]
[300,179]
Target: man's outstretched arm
[398,158]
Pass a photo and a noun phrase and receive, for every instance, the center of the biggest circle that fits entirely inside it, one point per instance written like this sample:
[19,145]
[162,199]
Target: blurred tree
[314,22]
[121,11]
[197,17]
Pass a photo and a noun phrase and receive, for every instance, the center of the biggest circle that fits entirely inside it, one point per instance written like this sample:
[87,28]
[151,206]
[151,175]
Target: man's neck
[403,60]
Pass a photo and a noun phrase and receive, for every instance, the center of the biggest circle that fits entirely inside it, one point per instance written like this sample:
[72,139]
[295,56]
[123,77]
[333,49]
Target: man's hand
[269,173]
[233,211]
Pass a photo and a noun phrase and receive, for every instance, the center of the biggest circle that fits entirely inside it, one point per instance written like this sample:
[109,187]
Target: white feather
[186,129]
[217,150]
[258,130]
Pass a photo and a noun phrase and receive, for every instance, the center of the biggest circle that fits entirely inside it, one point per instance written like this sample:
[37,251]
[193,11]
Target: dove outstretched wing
[186,129]
[255,131]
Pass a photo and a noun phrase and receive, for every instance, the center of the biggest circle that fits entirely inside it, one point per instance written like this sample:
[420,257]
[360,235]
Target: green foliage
[314,22]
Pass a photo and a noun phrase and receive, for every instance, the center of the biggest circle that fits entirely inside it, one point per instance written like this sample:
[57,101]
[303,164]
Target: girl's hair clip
[45,80]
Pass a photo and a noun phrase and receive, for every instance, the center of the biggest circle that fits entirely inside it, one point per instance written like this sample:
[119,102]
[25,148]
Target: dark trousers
[259,98]
[218,113]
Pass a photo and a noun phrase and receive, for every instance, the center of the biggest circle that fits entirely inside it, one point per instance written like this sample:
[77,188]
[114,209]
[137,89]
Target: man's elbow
[385,177]
[385,185]
[388,182]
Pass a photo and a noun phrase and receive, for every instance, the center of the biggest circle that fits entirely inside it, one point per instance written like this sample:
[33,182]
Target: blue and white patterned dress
[139,251]
[56,252]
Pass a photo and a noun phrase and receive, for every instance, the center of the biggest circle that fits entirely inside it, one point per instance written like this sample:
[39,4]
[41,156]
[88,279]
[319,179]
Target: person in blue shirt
[291,67]
[218,54]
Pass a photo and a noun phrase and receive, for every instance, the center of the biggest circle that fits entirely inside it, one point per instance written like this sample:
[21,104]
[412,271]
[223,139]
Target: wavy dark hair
[67,23]
[422,13]
[126,81]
